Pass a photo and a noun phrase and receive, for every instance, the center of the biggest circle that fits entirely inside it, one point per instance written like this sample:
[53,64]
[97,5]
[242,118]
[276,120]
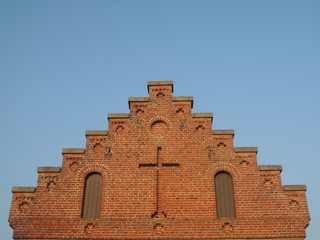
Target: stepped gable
[160,172]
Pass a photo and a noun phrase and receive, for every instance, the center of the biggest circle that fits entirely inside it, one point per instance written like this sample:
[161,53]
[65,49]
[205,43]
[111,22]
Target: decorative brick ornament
[158,228]
[51,186]
[159,127]
[227,227]
[89,228]
[24,207]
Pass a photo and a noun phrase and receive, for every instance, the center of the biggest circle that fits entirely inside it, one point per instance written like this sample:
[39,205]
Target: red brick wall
[185,198]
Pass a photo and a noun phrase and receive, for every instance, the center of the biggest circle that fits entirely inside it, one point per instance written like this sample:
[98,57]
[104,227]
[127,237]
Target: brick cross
[158,166]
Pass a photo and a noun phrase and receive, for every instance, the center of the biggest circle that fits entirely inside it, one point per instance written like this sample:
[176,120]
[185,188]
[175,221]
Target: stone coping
[299,238]
[174,99]
[96,133]
[160,83]
[295,188]
[73,150]
[23,189]
[48,169]
[138,99]
[118,115]
[202,115]
[223,132]
[183,99]
[270,168]
[246,149]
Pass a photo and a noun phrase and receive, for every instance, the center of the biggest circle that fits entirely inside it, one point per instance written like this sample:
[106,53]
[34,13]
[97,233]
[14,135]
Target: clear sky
[65,64]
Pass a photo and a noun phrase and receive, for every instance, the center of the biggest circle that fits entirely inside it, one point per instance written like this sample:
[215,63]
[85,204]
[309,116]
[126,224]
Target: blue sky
[64,65]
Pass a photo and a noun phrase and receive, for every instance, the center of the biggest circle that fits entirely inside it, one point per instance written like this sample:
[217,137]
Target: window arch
[92,196]
[224,195]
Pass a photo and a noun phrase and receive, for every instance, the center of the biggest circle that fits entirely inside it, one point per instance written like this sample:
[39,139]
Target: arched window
[92,196]
[224,195]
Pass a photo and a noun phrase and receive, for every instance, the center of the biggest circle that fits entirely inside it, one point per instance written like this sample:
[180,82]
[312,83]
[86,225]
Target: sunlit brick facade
[160,172]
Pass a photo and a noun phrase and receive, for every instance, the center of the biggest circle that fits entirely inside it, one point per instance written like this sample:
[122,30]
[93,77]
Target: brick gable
[158,165]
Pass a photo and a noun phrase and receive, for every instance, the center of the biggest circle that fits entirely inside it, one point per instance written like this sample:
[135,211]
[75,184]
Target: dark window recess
[224,195]
[92,196]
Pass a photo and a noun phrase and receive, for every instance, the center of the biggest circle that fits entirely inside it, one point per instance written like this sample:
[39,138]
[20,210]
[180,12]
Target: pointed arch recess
[91,206]
[224,195]
[100,168]
[84,181]
[230,168]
